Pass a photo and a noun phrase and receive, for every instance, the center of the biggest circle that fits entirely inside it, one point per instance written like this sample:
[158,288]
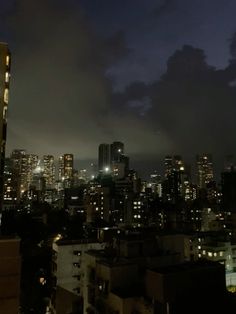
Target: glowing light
[107,169]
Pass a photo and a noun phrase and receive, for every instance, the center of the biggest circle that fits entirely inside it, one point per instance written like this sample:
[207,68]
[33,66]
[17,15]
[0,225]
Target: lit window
[76,252]
[6,94]
[215,254]
[210,254]
[76,265]
[199,247]
[7,60]
[221,253]
[7,77]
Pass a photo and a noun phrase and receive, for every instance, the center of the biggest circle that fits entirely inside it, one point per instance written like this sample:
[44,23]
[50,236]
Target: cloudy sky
[156,74]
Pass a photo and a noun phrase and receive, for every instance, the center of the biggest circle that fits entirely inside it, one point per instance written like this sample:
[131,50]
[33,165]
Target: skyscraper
[117,151]
[9,247]
[168,165]
[61,168]
[49,170]
[31,164]
[104,157]
[68,166]
[204,170]
[4,92]
[23,166]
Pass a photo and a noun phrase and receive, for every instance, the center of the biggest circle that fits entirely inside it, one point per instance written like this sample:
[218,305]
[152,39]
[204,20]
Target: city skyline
[53,109]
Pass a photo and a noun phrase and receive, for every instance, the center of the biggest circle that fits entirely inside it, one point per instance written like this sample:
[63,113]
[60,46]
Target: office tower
[104,157]
[4,91]
[23,166]
[49,171]
[31,164]
[68,166]
[38,180]
[168,165]
[18,158]
[204,170]
[117,151]
[61,168]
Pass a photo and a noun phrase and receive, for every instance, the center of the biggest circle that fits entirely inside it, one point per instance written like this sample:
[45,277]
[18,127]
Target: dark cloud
[193,103]
[61,98]
[63,77]
[163,7]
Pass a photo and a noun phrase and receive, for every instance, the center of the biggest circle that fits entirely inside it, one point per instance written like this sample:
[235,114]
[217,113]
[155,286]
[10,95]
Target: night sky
[158,75]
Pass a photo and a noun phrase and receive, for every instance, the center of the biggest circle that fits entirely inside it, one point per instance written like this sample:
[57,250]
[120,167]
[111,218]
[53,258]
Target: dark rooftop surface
[200,264]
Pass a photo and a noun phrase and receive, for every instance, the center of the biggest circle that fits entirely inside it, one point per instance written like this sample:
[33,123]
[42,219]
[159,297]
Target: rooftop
[188,266]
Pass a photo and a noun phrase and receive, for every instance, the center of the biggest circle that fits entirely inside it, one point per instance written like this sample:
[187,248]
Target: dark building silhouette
[204,170]
[5,61]
[104,157]
[117,151]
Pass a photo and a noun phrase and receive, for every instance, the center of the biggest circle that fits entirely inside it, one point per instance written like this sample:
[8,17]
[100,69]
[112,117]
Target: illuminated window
[199,247]
[210,254]
[7,76]
[5,112]
[215,254]
[6,93]
[7,60]
[221,253]
[78,253]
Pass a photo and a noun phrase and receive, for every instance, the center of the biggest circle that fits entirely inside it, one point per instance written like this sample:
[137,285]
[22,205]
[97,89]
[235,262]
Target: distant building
[104,157]
[204,168]
[23,166]
[66,169]
[117,150]
[49,171]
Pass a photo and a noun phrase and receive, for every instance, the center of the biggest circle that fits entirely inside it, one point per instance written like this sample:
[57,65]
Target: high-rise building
[49,170]
[104,157]
[168,165]
[23,166]
[61,168]
[66,170]
[204,170]
[9,247]
[68,166]
[117,151]
[5,61]
[31,165]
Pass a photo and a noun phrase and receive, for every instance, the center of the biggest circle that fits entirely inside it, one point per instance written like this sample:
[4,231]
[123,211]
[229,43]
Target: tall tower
[68,166]
[5,61]
[104,157]
[204,170]
[9,247]
[49,170]
[117,151]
